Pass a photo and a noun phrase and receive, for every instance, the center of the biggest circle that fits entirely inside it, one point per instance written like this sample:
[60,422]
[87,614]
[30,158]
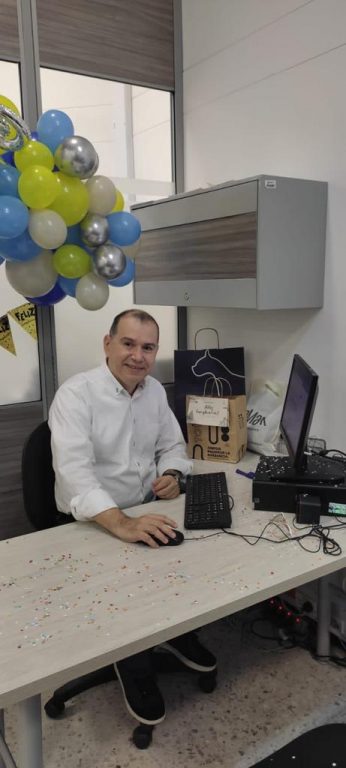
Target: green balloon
[71,261]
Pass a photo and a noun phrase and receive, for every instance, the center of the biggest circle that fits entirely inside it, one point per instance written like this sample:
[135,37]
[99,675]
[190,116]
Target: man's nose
[137,353]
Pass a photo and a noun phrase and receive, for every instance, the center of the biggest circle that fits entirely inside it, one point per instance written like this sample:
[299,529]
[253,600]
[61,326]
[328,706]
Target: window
[130,128]
[19,363]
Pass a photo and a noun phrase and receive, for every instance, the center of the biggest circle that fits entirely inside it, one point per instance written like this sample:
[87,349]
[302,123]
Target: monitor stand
[314,470]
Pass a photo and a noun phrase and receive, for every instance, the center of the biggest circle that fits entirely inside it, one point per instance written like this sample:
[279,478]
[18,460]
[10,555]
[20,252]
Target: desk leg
[6,759]
[2,734]
[30,733]
[323,617]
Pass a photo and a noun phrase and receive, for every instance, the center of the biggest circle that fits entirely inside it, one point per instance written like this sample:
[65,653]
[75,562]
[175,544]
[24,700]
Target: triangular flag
[6,340]
[25,315]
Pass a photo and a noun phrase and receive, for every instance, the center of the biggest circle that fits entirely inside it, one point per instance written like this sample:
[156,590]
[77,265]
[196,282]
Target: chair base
[163,663]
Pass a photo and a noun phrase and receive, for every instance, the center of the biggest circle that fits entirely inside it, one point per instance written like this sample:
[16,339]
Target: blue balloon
[126,276]
[124,228]
[74,236]
[53,127]
[9,180]
[55,295]
[20,248]
[68,284]
[8,157]
[14,216]
[34,135]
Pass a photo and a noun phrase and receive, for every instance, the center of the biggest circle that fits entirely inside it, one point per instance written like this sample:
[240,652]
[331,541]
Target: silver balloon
[10,120]
[77,157]
[94,229]
[109,261]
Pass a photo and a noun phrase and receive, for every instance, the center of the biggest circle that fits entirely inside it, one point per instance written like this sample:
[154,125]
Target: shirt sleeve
[77,488]
[171,447]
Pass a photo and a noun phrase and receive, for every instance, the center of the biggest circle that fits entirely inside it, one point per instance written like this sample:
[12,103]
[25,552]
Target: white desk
[74,599]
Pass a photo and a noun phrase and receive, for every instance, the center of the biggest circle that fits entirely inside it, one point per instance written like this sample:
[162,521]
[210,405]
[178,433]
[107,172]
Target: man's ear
[106,342]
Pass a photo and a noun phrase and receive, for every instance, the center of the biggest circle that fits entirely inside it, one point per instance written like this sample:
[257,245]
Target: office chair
[319,747]
[39,503]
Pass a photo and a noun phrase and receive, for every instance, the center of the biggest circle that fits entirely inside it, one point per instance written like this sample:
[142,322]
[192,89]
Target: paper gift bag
[210,372]
[216,427]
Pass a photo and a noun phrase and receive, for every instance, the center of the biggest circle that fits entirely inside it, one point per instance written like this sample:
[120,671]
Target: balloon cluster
[63,230]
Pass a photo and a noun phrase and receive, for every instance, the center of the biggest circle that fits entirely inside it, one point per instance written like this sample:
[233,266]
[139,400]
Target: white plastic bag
[264,408]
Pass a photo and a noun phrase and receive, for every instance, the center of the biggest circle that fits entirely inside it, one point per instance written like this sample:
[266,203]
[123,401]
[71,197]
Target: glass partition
[19,363]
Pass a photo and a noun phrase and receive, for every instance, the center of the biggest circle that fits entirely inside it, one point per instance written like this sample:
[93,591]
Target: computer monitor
[295,423]
[298,411]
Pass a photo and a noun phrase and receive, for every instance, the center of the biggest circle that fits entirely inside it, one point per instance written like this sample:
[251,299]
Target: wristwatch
[178,476]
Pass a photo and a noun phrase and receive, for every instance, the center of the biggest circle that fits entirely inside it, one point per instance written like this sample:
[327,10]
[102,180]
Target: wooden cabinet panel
[115,39]
[9,40]
[217,248]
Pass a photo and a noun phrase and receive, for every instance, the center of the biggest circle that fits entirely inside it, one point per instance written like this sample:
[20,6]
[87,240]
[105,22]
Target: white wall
[264,93]
[152,134]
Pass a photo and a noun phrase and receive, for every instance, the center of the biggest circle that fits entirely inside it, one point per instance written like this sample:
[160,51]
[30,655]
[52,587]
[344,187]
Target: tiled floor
[265,697]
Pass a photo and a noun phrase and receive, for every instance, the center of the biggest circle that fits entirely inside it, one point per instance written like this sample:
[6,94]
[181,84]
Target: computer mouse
[179,538]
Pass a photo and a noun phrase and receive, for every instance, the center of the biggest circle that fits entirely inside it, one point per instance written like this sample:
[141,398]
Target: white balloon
[92,291]
[132,250]
[102,194]
[32,278]
[47,228]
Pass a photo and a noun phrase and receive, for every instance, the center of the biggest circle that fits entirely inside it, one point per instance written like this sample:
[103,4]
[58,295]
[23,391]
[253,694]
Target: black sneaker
[189,650]
[143,698]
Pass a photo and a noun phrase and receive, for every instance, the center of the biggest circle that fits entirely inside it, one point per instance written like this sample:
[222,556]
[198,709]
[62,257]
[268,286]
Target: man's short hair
[138,314]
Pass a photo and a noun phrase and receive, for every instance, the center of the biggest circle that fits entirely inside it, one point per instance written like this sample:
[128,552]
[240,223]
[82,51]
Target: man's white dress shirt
[109,446]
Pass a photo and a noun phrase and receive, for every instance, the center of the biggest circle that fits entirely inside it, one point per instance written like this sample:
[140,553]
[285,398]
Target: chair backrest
[38,479]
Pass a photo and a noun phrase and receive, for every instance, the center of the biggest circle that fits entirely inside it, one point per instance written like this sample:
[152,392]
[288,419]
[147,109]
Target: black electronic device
[296,418]
[178,539]
[207,502]
[297,412]
[308,509]
[279,479]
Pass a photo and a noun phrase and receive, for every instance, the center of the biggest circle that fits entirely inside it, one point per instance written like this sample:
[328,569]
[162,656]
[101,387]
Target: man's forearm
[110,519]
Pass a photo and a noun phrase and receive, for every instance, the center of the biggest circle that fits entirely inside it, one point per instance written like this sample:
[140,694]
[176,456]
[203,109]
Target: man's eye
[148,348]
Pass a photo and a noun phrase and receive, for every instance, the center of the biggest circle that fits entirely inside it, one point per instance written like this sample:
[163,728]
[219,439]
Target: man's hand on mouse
[143,528]
[132,529]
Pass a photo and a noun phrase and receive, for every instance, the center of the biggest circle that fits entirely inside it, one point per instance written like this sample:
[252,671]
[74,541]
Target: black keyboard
[207,501]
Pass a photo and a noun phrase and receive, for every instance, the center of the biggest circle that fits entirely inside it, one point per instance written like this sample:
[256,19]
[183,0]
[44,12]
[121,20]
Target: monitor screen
[298,410]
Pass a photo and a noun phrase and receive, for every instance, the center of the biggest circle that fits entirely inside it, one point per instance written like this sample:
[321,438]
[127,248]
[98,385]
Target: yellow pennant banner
[25,315]
[6,340]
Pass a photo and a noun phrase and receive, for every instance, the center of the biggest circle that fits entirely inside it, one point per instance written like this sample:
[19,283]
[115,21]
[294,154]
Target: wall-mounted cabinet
[255,243]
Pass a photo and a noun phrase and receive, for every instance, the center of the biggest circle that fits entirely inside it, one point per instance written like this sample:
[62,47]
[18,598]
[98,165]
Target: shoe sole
[131,711]
[188,662]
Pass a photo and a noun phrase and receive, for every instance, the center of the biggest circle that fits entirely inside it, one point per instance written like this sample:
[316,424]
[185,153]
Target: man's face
[132,351]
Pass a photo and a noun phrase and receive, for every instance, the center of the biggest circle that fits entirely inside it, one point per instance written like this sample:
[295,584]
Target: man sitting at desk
[117,444]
